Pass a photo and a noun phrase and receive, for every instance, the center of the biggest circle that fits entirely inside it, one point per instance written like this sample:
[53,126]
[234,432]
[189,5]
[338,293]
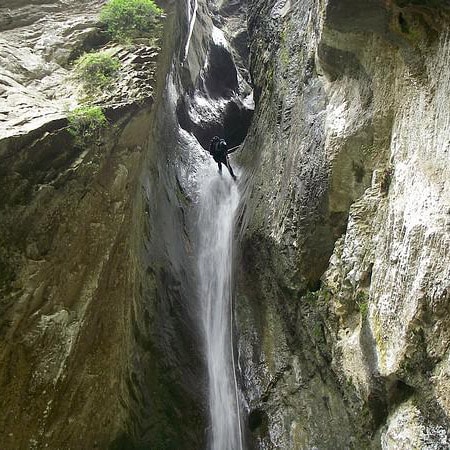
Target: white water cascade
[192,6]
[218,204]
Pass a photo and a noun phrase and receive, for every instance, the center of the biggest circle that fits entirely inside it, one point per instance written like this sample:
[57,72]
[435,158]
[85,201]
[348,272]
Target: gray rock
[346,208]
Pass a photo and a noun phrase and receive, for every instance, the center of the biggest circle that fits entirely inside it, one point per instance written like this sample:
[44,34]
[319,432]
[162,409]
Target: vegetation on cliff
[96,71]
[127,21]
[85,124]
[130,19]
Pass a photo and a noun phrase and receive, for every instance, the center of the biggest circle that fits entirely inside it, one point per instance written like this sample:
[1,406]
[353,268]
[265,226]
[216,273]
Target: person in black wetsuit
[219,151]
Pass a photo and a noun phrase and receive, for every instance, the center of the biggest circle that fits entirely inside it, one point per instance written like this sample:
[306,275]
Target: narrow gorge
[149,302]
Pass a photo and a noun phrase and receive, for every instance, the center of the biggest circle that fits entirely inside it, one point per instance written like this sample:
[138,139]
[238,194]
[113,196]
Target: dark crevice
[398,392]
[221,78]
[220,81]
[236,123]
[232,126]
[240,43]
[403,23]
[366,277]
[358,171]
[314,285]
[94,40]
[257,420]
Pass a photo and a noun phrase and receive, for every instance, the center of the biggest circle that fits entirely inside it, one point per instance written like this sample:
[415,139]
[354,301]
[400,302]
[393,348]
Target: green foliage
[362,300]
[326,294]
[86,123]
[364,309]
[129,19]
[317,331]
[311,296]
[96,71]
[322,294]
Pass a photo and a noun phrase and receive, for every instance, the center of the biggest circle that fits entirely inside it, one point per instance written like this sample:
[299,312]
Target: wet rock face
[221,79]
[345,252]
[66,266]
[72,227]
[342,290]
[168,387]
[218,98]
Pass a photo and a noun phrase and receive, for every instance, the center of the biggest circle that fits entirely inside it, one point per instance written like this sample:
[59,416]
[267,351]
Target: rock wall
[69,249]
[343,286]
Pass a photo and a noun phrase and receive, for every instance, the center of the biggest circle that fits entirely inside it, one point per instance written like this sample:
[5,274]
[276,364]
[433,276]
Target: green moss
[284,58]
[364,309]
[362,300]
[320,294]
[86,124]
[130,19]
[284,49]
[317,331]
[311,296]
[96,71]
[269,76]
[325,294]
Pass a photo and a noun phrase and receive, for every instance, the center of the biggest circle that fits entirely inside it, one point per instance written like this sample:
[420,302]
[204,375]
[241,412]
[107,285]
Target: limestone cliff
[343,291]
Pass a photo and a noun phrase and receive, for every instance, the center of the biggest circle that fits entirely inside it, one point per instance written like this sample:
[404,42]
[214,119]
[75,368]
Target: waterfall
[192,6]
[218,204]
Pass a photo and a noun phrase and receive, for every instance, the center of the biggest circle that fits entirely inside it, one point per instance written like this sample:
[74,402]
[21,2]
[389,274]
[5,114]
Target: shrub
[364,309]
[311,296]
[128,19]
[362,300]
[318,331]
[85,124]
[96,71]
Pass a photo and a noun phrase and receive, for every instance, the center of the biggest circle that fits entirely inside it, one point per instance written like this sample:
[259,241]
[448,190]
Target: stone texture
[345,249]
[37,42]
[71,241]
[66,267]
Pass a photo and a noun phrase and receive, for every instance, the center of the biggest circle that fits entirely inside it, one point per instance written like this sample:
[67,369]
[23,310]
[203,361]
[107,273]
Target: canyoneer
[219,151]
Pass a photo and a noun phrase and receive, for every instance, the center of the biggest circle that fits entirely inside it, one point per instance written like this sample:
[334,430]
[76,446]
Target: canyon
[333,262]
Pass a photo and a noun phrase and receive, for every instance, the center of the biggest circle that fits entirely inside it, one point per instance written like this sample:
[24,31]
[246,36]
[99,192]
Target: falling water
[218,205]
[192,6]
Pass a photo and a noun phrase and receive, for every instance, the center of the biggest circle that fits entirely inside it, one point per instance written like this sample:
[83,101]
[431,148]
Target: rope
[231,150]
